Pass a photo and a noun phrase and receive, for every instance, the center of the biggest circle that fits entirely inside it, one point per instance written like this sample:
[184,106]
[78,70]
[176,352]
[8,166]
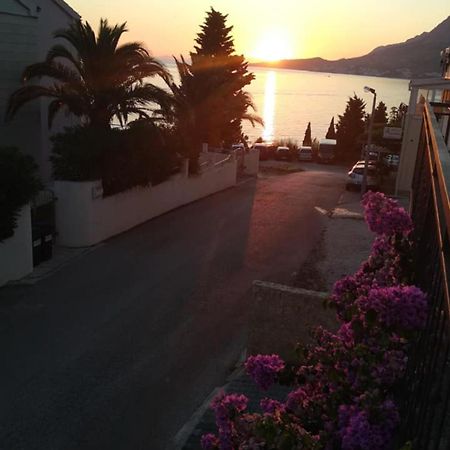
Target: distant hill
[418,57]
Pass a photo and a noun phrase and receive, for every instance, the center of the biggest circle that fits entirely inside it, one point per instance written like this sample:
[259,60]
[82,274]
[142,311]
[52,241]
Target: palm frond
[51,69]
[25,95]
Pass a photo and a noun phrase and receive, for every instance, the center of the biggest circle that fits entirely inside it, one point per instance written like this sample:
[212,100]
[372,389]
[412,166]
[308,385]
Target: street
[118,348]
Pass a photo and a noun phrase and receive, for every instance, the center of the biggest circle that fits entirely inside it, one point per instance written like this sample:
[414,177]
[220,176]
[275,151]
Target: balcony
[426,404]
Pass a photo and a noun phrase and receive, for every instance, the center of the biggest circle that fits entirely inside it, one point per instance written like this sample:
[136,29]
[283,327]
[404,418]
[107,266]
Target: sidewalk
[345,244]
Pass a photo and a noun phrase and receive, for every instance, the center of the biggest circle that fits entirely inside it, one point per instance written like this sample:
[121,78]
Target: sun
[273,45]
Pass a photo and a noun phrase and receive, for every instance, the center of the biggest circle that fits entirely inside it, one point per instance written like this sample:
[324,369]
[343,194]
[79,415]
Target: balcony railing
[426,406]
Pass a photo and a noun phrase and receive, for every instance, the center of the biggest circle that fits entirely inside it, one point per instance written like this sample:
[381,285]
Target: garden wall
[84,217]
[16,253]
[282,316]
[251,162]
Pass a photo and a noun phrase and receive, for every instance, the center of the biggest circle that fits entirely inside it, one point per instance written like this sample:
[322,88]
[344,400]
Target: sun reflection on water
[269,106]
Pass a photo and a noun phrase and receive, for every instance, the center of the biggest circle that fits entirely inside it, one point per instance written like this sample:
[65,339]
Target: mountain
[418,57]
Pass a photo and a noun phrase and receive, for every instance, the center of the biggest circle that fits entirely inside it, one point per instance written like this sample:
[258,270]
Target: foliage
[122,158]
[18,184]
[210,102]
[97,82]
[380,114]
[287,142]
[397,114]
[343,396]
[331,133]
[350,127]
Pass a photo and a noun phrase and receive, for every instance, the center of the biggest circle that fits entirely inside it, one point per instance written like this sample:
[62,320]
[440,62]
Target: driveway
[117,349]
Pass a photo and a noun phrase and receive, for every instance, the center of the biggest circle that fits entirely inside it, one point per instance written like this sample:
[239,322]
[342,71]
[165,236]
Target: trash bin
[37,245]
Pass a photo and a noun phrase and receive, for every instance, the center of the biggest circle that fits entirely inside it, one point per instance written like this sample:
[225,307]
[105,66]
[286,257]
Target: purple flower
[263,369]
[270,406]
[384,216]
[226,408]
[361,429]
[402,307]
[209,442]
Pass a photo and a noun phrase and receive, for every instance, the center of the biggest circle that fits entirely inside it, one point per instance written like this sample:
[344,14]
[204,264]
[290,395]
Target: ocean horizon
[287,99]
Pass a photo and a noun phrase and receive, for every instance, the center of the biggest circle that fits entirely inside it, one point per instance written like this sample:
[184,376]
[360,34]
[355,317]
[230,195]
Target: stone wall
[283,316]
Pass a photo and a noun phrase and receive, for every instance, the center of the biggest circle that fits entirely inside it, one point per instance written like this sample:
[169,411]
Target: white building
[26,34]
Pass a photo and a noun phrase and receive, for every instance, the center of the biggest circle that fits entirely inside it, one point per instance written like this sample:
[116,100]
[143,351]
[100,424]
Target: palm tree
[102,80]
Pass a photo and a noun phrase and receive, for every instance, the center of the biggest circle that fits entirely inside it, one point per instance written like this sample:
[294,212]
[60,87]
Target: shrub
[122,159]
[343,396]
[18,184]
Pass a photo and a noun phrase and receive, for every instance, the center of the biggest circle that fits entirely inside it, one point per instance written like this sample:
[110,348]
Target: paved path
[117,349]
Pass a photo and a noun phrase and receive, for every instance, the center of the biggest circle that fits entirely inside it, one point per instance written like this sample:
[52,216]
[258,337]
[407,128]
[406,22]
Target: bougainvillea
[263,369]
[342,397]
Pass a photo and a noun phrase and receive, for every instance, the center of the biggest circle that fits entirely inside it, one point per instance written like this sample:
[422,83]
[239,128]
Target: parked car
[283,152]
[356,174]
[305,153]
[237,147]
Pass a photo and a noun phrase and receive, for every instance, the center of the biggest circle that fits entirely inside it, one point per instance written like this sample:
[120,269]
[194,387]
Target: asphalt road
[117,349]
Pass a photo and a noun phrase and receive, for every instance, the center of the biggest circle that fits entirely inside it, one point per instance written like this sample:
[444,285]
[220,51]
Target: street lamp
[369,140]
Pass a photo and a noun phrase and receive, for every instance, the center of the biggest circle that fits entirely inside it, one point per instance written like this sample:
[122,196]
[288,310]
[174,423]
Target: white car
[356,174]
[305,153]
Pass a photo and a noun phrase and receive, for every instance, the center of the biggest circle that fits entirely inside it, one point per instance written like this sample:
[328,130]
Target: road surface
[118,348]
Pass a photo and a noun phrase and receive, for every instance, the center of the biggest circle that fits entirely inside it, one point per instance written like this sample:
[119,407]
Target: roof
[328,141]
[32,8]
[67,9]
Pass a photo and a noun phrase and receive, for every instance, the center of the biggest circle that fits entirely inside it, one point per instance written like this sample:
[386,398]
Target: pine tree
[331,133]
[307,140]
[350,128]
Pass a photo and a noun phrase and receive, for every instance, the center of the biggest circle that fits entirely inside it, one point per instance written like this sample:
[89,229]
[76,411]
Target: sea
[288,99]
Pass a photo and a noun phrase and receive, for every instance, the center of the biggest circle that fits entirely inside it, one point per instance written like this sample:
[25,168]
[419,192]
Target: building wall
[25,37]
[18,48]
[16,253]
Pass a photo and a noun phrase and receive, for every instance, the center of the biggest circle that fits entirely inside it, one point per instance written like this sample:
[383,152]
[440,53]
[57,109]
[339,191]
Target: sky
[265,29]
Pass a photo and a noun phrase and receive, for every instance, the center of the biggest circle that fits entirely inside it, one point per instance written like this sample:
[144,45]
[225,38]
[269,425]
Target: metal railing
[425,411]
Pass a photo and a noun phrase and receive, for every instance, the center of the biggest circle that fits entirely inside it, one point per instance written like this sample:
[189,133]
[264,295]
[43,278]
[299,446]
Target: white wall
[82,220]
[25,37]
[251,162]
[16,253]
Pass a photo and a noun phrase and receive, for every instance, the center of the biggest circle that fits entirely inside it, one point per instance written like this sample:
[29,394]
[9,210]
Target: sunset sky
[265,29]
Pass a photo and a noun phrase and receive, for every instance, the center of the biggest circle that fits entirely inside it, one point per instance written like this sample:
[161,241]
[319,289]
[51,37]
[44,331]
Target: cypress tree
[307,140]
[331,133]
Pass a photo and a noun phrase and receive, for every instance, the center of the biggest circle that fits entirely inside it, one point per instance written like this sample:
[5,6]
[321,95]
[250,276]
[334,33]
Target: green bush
[122,159]
[18,184]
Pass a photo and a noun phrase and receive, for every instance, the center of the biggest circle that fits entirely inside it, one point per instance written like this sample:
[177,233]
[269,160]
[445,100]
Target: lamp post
[369,140]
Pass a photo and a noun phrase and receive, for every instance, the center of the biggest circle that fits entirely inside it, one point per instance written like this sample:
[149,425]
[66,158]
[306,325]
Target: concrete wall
[84,217]
[408,155]
[251,162]
[283,316]
[16,253]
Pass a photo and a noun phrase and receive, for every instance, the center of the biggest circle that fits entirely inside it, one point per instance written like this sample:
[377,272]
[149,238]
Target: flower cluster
[384,216]
[342,396]
[263,369]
